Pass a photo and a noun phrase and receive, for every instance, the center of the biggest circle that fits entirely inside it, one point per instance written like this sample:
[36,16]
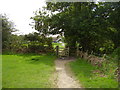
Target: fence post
[77,52]
[68,53]
[57,50]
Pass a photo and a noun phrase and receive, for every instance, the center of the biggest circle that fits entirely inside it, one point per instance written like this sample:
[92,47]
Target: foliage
[38,43]
[7,29]
[41,22]
[116,53]
[35,43]
[29,71]
[16,43]
[89,24]
[92,77]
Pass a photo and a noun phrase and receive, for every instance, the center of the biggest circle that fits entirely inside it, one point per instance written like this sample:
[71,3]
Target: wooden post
[57,50]
[77,51]
[91,52]
[68,52]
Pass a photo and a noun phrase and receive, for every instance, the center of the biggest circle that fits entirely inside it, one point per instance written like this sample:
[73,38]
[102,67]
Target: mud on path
[64,77]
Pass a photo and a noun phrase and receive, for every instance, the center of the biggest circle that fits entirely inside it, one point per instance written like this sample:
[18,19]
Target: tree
[41,22]
[86,23]
[7,29]
[114,19]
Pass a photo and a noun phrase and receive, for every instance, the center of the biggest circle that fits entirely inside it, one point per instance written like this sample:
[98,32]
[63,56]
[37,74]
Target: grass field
[84,73]
[27,71]
[57,44]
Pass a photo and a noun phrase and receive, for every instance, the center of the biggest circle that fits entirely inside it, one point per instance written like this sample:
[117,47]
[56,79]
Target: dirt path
[65,80]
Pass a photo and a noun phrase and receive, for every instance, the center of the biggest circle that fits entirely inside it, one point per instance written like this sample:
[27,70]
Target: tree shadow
[39,59]
[33,58]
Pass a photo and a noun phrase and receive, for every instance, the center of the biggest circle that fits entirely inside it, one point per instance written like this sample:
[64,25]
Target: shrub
[40,44]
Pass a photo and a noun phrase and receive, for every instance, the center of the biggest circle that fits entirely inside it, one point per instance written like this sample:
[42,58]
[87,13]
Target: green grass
[84,73]
[57,44]
[27,71]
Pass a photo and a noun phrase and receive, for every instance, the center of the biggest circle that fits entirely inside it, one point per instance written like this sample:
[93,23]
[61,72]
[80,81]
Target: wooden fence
[94,60]
[62,52]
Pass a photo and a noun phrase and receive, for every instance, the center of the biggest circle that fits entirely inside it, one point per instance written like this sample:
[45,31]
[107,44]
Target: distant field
[83,72]
[27,71]
[57,44]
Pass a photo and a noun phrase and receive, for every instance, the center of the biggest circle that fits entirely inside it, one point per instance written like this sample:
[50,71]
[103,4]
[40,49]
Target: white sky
[20,11]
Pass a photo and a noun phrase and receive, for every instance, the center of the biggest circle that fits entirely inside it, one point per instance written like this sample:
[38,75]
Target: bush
[40,45]
[35,47]
[116,53]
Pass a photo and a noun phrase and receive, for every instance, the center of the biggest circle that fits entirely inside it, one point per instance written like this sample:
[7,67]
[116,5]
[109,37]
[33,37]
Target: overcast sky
[20,11]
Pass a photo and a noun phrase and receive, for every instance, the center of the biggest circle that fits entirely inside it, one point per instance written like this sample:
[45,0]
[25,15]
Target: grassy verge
[27,71]
[89,76]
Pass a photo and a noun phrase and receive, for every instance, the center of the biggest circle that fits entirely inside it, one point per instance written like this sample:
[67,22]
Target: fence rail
[62,52]
[94,60]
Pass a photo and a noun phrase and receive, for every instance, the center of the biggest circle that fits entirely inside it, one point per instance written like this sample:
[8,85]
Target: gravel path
[65,79]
